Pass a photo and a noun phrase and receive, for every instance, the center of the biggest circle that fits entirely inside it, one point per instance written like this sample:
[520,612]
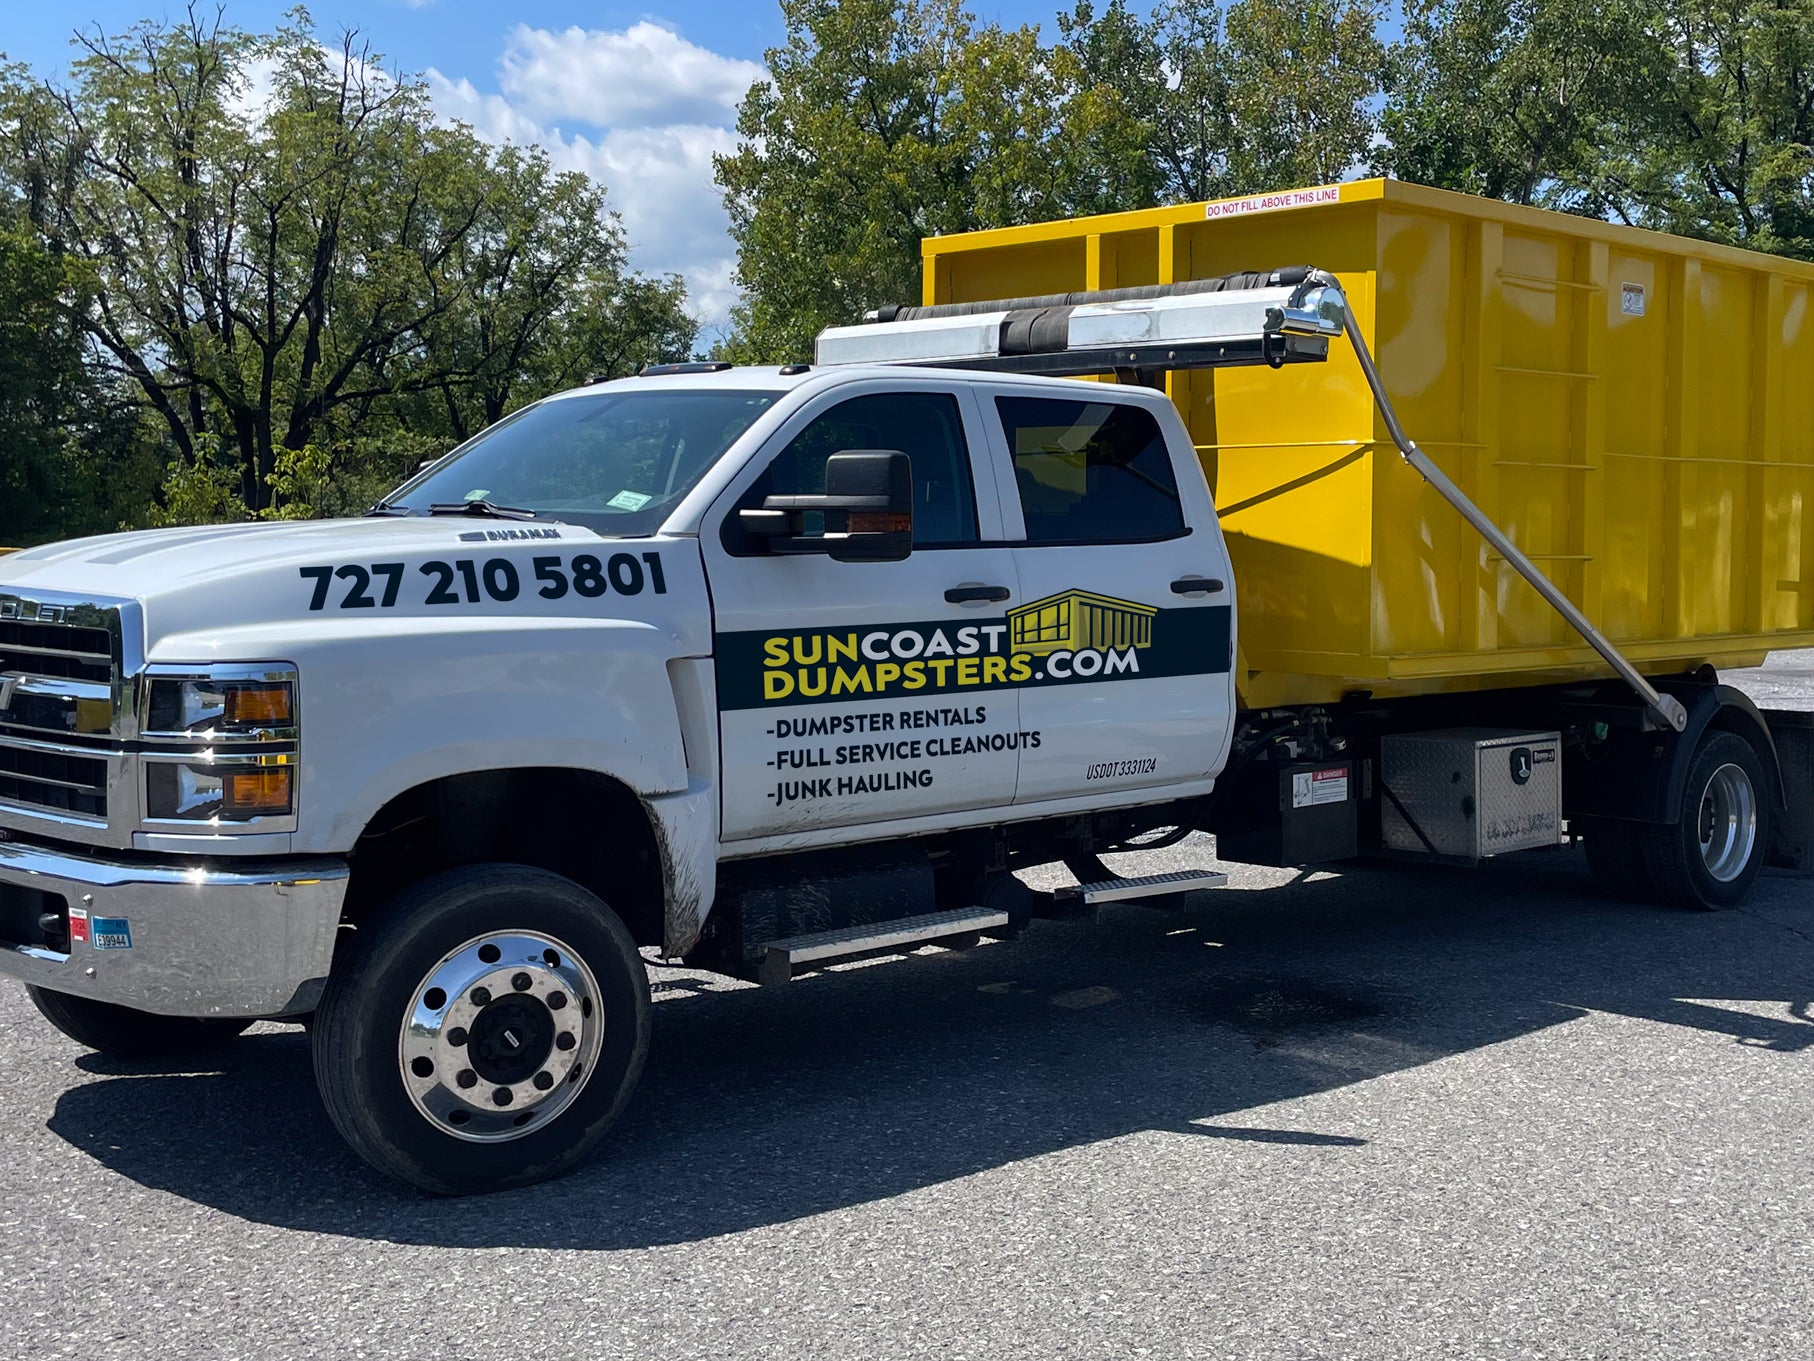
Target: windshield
[614,462]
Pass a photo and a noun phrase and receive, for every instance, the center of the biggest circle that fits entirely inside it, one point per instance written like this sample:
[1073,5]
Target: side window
[926,426]
[1090,472]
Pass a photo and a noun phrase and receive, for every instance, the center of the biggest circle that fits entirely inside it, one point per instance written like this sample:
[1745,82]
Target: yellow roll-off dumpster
[1636,410]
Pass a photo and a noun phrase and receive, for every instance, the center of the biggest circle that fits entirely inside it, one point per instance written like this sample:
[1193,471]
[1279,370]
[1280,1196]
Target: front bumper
[197,941]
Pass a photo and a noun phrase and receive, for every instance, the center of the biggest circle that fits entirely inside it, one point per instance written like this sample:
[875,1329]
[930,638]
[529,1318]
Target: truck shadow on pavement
[763,1107]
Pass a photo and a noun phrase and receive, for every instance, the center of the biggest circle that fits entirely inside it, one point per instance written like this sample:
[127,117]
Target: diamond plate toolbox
[1471,792]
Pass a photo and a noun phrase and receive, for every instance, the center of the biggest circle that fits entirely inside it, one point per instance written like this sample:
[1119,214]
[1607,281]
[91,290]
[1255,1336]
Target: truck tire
[483,1031]
[123,1033]
[1615,858]
[1711,856]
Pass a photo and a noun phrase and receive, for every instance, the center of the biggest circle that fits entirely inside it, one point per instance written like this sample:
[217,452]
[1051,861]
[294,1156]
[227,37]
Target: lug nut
[543,1081]
[457,1036]
[481,996]
[556,1000]
[502,1096]
[467,1078]
[565,1040]
[521,982]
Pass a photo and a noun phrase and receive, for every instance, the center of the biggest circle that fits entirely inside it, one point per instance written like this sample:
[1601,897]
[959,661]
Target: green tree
[1689,116]
[71,457]
[1520,99]
[544,300]
[40,372]
[1724,146]
[319,267]
[1303,74]
[1261,94]
[883,123]
[1115,59]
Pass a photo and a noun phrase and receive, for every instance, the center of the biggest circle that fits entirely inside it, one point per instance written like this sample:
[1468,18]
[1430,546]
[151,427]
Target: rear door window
[1091,472]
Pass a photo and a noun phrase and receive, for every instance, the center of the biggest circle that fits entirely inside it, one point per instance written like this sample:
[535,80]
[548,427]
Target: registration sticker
[112,933]
[78,926]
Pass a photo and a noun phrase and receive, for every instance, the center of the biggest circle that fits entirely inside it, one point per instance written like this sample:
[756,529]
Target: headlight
[220,746]
[261,708]
[225,789]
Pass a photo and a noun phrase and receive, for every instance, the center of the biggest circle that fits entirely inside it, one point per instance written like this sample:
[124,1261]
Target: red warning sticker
[78,926]
[1309,788]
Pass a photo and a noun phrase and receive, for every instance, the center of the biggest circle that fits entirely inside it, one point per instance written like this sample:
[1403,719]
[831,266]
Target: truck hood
[197,587]
[156,560]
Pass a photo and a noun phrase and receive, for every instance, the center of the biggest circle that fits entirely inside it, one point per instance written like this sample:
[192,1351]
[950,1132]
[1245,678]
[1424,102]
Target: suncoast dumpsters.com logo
[1066,638]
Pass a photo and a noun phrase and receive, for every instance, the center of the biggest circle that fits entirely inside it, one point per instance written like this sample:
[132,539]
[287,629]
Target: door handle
[1197,586]
[965,595]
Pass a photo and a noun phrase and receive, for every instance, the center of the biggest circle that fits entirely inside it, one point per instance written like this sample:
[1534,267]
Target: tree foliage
[1690,116]
[276,247]
[882,123]
[1724,147]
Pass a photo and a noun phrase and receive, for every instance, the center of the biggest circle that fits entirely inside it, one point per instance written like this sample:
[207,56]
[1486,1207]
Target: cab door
[1126,619]
[866,692]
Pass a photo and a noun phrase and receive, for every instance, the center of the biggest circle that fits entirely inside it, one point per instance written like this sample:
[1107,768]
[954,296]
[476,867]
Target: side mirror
[869,490]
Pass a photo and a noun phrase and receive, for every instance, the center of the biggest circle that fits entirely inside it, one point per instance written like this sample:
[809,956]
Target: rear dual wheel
[485,1032]
[1709,858]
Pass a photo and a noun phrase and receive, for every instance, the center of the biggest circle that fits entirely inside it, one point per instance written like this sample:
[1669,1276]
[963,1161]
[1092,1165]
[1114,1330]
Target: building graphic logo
[1073,621]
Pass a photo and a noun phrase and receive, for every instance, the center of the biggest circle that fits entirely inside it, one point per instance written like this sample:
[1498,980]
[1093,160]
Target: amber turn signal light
[248,704]
[258,791]
[878,522]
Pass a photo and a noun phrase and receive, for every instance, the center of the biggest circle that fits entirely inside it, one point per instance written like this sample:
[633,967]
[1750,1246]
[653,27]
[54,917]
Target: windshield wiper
[485,509]
[386,508]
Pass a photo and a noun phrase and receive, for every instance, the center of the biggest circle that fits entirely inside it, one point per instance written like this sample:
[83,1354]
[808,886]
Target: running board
[1108,891]
[779,958]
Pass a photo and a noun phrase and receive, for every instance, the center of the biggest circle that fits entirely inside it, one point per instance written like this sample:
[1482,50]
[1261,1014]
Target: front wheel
[1712,855]
[485,1030]
[125,1033]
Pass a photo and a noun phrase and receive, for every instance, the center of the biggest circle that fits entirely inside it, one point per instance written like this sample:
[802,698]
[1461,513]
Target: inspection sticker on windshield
[629,500]
[112,933]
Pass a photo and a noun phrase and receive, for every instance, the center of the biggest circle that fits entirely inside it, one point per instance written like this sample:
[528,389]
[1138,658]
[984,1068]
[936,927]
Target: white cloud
[644,76]
[654,108]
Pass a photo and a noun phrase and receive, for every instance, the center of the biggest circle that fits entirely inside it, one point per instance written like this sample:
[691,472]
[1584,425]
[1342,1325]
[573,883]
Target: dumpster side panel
[1289,454]
[1638,303]
[1635,410]
[1418,588]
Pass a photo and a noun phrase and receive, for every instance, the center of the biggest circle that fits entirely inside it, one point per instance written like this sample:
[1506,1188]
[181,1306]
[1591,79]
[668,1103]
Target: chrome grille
[67,651]
[63,781]
[61,664]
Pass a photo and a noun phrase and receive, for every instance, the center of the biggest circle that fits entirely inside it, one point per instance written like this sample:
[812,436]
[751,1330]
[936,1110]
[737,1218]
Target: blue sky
[638,98]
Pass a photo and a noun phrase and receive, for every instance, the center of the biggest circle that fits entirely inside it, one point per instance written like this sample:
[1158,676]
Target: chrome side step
[779,958]
[1105,892]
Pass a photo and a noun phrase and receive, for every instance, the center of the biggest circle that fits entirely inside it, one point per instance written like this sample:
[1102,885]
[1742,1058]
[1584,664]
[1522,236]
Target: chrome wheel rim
[501,1036]
[1727,823]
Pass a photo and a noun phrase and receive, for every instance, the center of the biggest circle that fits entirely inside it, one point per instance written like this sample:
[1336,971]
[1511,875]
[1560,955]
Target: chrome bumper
[197,941]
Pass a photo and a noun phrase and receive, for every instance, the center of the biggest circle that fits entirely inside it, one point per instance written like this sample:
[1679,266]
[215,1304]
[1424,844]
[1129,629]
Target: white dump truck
[757,669]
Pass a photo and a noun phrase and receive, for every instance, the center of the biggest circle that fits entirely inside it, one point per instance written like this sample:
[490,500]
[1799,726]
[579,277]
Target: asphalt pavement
[1369,1114]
